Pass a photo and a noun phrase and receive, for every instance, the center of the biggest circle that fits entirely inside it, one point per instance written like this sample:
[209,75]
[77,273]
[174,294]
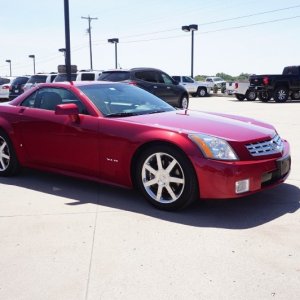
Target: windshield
[114,76]
[37,79]
[63,77]
[123,100]
[218,79]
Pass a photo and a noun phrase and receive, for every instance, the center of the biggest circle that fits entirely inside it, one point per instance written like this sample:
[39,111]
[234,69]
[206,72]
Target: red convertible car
[120,134]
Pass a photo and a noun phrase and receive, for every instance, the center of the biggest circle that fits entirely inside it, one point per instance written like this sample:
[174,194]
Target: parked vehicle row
[11,87]
[280,87]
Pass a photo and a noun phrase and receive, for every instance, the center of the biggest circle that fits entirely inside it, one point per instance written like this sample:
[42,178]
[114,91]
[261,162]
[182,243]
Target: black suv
[152,80]
[16,87]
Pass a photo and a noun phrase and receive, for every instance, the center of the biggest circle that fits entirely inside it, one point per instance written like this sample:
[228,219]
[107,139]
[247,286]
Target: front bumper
[217,179]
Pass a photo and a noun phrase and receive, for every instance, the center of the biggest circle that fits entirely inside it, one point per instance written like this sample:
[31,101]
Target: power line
[212,31]
[209,23]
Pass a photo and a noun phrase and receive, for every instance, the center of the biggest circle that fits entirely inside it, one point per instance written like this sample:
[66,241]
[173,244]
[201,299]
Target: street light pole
[33,57]
[192,28]
[115,41]
[9,61]
[67,38]
[90,37]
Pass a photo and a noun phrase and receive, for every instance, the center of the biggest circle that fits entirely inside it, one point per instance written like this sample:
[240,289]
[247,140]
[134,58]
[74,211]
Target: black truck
[280,87]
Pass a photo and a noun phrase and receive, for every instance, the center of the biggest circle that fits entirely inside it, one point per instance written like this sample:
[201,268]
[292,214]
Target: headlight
[213,147]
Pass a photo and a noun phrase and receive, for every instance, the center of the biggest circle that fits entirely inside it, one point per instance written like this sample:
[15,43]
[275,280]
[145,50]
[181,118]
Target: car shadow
[242,213]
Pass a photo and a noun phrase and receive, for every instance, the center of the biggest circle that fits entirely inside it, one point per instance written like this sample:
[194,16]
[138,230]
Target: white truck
[195,88]
[242,92]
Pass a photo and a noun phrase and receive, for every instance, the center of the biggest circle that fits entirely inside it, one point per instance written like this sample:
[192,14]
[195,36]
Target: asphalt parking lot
[63,238]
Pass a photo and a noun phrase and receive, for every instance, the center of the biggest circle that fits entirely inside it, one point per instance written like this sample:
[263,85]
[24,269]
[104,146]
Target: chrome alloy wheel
[163,178]
[282,95]
[4,155]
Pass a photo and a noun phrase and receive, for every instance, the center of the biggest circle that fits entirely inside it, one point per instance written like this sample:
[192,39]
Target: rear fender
[16,141]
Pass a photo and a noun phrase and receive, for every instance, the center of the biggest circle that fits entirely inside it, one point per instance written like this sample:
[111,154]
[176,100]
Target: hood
[228,127]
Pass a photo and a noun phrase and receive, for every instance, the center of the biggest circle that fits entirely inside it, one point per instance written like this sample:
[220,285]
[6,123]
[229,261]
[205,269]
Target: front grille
[275,145]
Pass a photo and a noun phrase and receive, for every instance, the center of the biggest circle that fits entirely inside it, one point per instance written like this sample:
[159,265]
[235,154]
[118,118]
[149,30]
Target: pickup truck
[242,91]
[280,87]
[195,88]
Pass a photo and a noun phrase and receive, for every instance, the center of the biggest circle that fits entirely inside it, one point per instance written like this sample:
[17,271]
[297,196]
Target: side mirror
[70,110]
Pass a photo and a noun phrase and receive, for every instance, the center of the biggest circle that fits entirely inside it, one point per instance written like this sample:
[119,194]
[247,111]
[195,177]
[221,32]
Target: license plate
[284,165]
[16,91]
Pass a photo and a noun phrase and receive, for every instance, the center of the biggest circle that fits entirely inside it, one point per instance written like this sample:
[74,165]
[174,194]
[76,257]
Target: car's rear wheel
[295,96]
[166,177]
[9,164]
[251,95]
[184,102]
[281,94]
[264,96]
[201,92]
[240,97]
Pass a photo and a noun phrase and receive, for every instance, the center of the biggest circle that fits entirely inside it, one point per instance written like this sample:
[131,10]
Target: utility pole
[90,38]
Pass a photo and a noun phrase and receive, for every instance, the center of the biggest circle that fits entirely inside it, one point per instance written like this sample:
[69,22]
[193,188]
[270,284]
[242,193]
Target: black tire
[9,164]
[281,94]
[251,95]
[184,102]
[264,96]
[201,92]
[295,95]
[157,158]
[240,97]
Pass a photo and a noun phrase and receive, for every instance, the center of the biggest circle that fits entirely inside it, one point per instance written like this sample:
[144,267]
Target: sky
[234,37]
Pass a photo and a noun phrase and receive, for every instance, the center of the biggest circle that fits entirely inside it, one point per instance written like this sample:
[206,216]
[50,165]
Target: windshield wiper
[156,111]
[128,114]
[121,114]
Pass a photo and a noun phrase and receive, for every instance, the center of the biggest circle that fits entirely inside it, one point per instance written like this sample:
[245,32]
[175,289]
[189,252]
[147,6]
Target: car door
[189,84]
[169,90]
[57,141]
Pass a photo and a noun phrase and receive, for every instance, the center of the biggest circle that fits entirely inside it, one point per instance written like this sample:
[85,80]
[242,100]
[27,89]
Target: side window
[49,98]
[30,100]
[187,79]
[166,78]
[146,76]
[87,76]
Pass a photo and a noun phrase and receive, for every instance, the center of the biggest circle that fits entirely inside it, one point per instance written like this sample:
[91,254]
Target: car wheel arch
[138,152]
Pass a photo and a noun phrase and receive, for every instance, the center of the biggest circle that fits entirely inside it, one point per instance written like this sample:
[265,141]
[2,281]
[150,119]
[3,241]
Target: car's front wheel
[9,164]
[184,102]
[240,97]
[166,177]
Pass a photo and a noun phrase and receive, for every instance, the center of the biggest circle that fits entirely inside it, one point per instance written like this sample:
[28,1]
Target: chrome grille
[275,145]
